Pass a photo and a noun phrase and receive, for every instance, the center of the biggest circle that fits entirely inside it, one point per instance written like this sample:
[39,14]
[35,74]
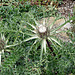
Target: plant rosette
[43,33]
[3,45]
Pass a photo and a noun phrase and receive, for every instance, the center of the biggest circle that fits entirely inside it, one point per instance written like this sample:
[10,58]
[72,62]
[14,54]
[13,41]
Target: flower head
[4,45]
[42,33]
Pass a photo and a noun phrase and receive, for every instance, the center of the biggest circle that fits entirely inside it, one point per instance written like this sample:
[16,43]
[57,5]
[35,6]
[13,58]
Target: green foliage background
[18,61]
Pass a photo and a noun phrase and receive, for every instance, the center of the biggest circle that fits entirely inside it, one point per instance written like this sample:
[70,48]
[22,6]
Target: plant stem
[48,43]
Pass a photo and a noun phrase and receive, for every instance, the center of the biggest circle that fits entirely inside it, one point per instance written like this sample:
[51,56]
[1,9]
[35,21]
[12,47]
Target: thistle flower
[3,45]
[43,33]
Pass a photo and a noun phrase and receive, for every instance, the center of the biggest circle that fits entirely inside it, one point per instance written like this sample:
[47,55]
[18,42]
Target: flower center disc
[42,29]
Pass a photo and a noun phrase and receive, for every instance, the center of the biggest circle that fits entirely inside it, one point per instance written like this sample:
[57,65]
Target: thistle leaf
[56,32]
[11,45]
[30,34]
[31,25]
[33,19]
[55,40]
[32,46]
[31,30]
[60,26]
[44,45]
[34,37]
[56,18]
[60,31]
[52,43]
[44,22]
[36,22]
[52,24]
[41,51]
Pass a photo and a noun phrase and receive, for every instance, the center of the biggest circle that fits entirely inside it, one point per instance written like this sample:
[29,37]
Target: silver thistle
[4,45]
[43,32]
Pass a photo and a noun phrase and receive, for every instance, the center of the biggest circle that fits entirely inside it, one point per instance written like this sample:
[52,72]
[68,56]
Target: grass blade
[34,37]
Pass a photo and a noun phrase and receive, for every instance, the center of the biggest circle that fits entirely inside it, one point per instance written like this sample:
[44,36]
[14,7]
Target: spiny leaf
[44,45]
[55,40]
[30,34]
[30,30]
[31,25]
[33,19]
[56,18]
[56,32]
[32,46]
[60,26]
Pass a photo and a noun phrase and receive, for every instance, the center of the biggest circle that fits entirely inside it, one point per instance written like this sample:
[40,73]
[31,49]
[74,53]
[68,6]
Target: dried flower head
[42,33]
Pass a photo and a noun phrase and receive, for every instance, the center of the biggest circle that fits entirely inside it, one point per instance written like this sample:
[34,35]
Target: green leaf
[30,30]
[56,32]
[44,45]
[32,47]
[30,34]
[34,37]
[60,26]
[31,25]
[12,45]
[56,18]
[52,38]
[30,15]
